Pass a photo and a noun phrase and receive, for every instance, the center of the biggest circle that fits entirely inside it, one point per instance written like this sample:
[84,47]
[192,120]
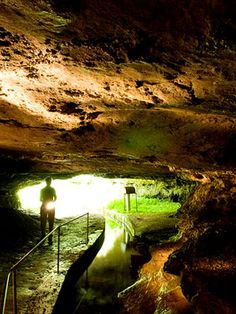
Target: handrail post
[5,293]
[58,248]
[12,271]
[14,291]
[87,228]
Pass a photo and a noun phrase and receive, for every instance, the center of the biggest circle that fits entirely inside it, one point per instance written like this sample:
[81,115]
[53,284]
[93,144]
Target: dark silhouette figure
[47,210]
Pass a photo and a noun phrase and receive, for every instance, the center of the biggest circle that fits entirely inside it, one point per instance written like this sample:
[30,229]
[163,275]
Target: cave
[127,90]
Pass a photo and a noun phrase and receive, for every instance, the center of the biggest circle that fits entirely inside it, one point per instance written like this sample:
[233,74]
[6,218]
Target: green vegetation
[146,205]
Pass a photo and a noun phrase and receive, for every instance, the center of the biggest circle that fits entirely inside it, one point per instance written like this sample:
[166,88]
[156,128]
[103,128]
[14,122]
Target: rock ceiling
[99,88]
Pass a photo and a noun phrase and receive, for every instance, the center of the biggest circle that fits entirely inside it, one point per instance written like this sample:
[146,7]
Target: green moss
[146,205]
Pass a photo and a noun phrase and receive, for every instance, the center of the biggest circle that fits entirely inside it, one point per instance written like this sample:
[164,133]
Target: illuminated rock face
[119,89]
[206,260]
[93,88]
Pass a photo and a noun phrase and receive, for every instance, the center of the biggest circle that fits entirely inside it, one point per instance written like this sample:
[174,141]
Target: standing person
[47,211]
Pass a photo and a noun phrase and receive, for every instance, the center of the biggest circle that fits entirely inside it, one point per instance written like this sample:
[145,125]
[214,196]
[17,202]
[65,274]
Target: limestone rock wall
[166,187]
[206,261]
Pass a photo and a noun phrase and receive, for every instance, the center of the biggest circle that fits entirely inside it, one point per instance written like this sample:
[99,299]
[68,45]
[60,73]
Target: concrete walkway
[38,282]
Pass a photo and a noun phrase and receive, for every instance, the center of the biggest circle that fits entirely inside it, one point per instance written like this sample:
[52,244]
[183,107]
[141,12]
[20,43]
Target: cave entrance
[75,196]
[88,193]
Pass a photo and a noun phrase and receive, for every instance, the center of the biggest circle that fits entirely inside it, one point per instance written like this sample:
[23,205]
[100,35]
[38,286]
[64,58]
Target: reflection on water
[109,273]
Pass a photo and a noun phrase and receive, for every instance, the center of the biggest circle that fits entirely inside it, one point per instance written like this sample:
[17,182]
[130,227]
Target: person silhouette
[47,210]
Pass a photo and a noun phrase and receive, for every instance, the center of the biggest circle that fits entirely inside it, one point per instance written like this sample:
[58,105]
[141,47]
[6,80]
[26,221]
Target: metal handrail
[12,271]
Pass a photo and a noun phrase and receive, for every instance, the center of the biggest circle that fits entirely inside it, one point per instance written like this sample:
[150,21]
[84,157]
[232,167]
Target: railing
[12,271]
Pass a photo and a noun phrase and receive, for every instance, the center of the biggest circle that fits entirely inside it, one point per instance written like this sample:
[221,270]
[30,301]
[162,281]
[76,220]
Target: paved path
[38,283]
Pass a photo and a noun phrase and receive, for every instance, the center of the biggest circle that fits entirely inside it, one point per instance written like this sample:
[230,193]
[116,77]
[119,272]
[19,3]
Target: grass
[145,205]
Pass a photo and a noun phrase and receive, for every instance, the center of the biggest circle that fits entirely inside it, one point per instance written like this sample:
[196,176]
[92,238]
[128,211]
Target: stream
[110,271]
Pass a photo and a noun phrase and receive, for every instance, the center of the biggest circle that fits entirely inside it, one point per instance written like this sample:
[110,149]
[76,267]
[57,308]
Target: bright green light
[75,196]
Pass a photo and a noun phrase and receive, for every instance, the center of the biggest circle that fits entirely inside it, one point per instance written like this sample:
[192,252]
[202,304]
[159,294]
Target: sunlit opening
[75,196]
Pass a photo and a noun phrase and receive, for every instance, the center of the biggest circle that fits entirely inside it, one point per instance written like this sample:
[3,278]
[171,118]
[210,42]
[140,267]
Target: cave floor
[39,292]
[38,282]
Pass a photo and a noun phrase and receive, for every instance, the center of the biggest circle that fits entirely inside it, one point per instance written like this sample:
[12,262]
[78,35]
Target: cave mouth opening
[95,194]
[75,196]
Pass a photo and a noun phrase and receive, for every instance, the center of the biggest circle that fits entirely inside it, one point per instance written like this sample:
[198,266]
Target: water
[110,272]
[94,289]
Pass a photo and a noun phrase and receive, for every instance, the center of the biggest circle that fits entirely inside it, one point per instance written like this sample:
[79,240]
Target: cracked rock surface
[80,94]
